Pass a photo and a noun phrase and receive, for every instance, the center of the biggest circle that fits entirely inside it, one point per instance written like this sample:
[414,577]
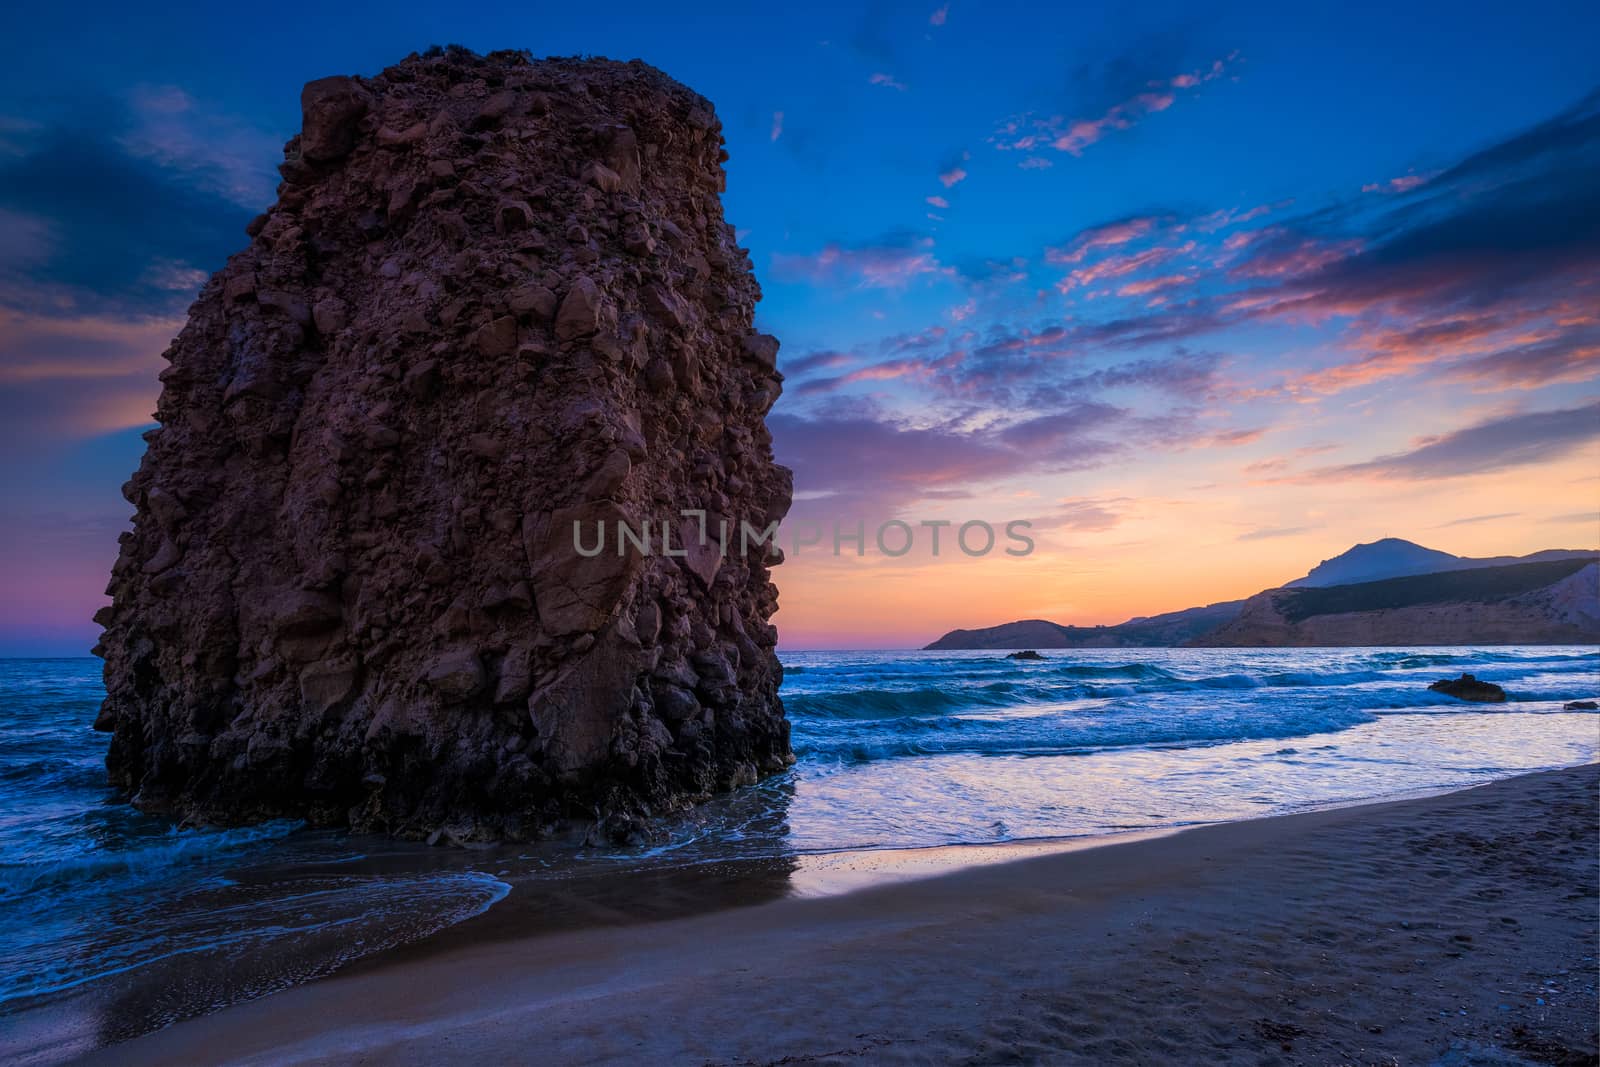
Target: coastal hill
[1156,631]
[1547,602]
[1388,592]
[1393,557]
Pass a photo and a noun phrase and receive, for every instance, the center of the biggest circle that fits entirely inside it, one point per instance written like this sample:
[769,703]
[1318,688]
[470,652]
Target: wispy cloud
[67,378]
[1235,438]
[1149,286]
[875,461]
[1030,132]
[1085,514]
[1270,533]
[954,172]
[1491,445]
[1104,236]
[221,153]
[1473,520]
[1403,184]
[891,262]
[888,81]
[1116,266]
[111,218]
[1564,356]
[1486,276]
[123,209]
[815,361]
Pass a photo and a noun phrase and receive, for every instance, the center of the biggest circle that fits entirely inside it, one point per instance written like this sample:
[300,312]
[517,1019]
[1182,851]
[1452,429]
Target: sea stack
[494,307]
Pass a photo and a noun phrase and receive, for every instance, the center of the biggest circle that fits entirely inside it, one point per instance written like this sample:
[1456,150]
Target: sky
[1205,297]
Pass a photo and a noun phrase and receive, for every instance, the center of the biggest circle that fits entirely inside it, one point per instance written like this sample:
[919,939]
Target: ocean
[113,922]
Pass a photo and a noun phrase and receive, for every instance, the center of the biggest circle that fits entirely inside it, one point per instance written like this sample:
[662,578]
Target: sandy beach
[1458,929]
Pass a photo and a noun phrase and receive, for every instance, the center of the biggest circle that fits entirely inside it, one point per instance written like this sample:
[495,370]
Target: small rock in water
[1467,687]
[1026,653]
[1580,705]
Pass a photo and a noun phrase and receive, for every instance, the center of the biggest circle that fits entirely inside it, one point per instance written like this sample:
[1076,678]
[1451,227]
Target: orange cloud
[1154,285]
[79,377]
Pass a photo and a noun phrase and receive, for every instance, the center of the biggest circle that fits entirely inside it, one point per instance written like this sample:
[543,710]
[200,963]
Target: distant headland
[1386,592]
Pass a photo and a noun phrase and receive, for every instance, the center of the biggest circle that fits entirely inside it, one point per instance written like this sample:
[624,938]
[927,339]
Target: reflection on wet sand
[331,902]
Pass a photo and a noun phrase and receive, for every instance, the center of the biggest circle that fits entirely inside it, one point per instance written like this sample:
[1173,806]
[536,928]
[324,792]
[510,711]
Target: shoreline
[924,967]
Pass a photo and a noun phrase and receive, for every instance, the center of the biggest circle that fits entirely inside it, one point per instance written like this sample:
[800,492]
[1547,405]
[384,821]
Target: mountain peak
[1388,557]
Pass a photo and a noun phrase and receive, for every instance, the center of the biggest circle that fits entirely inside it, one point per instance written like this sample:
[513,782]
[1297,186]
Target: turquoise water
[895,750]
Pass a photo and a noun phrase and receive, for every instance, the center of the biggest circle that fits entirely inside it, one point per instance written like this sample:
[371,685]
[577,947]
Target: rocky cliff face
[495,298]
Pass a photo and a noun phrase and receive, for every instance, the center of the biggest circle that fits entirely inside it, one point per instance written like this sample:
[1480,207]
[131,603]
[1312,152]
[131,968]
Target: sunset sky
[1206,297]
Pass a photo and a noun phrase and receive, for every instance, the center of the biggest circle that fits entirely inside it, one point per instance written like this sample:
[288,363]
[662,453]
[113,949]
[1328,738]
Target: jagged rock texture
[495,296]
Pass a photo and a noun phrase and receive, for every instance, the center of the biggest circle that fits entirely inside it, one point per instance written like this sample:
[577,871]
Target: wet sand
[1457,929]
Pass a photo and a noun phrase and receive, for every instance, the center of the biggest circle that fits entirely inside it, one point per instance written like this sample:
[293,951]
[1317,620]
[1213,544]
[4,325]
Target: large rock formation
[495,298]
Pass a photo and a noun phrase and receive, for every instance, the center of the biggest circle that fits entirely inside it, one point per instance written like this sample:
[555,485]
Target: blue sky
[1152,276]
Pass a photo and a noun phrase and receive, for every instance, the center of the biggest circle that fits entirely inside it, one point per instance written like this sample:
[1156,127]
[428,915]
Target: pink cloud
[1219,220]
[883,372]
[1028,132]
[1107,235]
[939,16]
[1147,286]
[1235,438]
[1560,359]
[777,125]
[891,265]
[1286,257]
[1120,266]
[887,81]
[78,377]
[1242,239]
[1403,184]
[954,174]
[938,201]
[1496,348]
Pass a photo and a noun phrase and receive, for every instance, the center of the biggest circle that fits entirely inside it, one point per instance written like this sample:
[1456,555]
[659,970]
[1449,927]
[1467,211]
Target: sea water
[112,912]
